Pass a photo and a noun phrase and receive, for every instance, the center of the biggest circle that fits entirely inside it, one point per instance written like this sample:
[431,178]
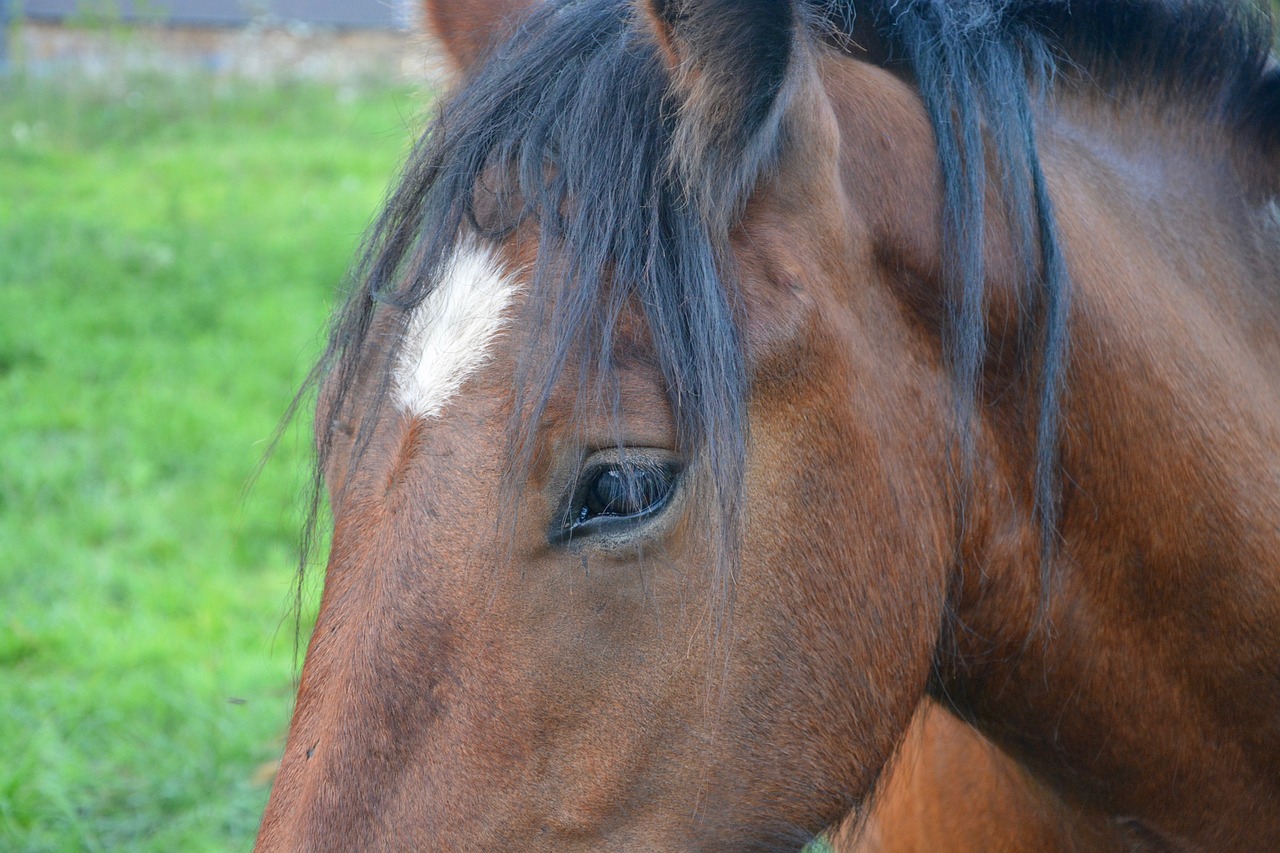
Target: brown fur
[452,700]
[466,31]
[950,789]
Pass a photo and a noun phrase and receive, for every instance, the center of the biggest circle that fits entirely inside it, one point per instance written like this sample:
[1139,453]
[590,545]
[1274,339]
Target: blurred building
[345,14]
[333,40]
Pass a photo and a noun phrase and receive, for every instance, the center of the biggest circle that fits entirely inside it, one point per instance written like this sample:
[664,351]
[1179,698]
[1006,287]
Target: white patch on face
[449,335]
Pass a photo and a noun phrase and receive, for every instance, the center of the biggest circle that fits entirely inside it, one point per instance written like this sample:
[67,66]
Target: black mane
[1192,54]
[570,123]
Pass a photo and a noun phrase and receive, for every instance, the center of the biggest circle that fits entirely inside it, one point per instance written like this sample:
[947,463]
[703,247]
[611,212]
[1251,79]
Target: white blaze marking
[448,337]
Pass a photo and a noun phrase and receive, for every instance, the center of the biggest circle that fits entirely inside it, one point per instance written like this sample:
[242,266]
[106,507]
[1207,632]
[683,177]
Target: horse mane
[571,122]
[1191,54]
[1215,57]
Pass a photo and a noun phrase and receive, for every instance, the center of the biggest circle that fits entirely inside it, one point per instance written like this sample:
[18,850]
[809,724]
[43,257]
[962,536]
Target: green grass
[169,252]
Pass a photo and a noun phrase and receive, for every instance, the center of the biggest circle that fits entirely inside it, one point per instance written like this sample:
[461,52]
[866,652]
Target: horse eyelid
[567,529]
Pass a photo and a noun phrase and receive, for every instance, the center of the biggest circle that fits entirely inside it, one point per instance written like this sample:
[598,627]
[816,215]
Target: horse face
[553,669]
[550,659]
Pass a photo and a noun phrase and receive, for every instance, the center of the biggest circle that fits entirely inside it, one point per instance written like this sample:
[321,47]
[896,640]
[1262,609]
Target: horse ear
[1264,116]
[732,62]
[467,29]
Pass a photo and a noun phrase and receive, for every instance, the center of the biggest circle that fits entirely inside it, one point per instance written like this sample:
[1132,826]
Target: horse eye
[624,492]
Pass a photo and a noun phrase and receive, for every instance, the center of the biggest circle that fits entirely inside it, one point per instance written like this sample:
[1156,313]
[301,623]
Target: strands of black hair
[568,125]
[981,67]
[571,125]
[979,73]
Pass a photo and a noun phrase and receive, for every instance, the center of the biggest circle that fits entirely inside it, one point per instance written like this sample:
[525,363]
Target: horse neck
[1148,689]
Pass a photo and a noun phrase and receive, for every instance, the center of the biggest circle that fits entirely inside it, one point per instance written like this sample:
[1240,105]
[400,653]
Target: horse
[756,419]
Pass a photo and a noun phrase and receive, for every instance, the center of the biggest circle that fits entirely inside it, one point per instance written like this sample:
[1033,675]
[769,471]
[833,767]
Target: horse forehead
[451,333]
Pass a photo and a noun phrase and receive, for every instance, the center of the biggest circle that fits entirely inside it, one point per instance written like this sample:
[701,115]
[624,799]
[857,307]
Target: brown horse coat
[675,462]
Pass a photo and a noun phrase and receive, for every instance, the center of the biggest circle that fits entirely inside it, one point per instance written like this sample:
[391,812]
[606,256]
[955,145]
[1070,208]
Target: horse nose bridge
[382,623]
[375,689]
[379,688]
[376,683]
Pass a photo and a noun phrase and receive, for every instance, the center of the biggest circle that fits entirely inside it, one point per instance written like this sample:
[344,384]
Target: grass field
[168,255]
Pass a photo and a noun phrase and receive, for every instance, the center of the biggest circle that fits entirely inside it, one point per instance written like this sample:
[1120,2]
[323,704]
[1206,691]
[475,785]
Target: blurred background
[183,185]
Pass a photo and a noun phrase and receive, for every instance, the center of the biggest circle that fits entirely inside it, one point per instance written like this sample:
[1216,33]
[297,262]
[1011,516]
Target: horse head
[706,403]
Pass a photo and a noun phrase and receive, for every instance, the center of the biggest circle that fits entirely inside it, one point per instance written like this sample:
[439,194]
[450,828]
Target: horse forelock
[565,128]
